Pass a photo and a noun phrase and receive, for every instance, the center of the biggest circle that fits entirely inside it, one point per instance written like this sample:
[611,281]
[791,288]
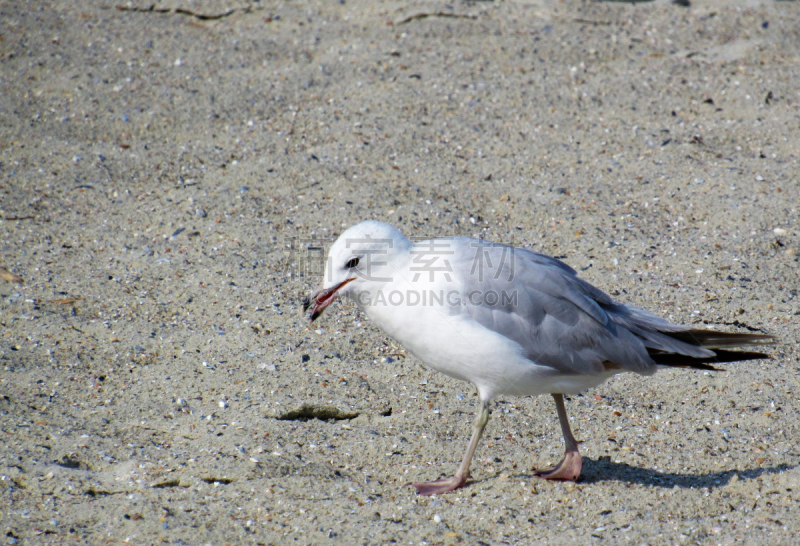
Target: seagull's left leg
[462,475]
[570,466]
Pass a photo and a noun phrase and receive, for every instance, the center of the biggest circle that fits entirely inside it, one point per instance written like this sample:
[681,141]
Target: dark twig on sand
[434,14]
[181,11]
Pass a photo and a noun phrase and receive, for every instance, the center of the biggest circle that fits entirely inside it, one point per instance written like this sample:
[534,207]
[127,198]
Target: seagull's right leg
[569,468]
[462,475]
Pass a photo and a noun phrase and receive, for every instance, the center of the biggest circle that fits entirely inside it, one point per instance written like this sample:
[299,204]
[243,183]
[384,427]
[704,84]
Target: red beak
[322,298]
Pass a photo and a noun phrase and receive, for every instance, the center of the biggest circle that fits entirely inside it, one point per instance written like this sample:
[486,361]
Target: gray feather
[564,322]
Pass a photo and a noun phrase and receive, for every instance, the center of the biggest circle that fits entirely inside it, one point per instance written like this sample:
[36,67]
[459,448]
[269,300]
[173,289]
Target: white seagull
[508,320]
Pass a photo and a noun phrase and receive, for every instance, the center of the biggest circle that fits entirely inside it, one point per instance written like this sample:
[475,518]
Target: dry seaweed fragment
[313,411]
[9,276]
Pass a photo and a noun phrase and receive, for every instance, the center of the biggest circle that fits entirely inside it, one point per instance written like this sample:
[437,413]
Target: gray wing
[560,320]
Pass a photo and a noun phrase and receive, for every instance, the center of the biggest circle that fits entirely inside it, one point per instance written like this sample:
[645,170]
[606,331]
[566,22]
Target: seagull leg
[570,466]
[450,484]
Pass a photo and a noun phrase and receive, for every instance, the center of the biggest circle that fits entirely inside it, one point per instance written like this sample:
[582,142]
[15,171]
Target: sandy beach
[172,171]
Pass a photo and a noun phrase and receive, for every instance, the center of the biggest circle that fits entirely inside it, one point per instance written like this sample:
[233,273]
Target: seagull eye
[352,262]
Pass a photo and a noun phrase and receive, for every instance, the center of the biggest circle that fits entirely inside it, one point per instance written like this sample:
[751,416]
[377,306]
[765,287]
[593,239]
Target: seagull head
[363,259]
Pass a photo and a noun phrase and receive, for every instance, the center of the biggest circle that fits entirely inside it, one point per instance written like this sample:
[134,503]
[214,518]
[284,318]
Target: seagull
[511,321]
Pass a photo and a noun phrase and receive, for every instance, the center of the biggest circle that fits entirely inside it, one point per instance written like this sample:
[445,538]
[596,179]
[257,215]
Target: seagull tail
[716,342]
[712,339]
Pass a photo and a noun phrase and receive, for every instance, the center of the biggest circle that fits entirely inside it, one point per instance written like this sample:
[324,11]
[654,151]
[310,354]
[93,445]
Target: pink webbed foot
[444,485]
[569,469]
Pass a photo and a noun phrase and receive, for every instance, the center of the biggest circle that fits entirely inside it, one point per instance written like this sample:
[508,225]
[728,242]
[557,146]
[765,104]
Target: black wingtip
[714,339]
[707,363]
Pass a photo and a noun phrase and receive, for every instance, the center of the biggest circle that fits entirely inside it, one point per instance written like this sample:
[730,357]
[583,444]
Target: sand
[169,172]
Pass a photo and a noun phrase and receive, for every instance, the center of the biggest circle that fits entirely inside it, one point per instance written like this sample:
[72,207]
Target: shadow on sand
[604,469]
